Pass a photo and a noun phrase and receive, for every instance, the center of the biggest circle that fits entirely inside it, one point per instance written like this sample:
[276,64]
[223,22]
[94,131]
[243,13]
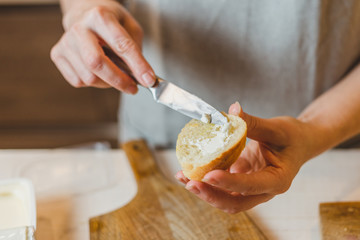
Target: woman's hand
[78,55]
[265,168]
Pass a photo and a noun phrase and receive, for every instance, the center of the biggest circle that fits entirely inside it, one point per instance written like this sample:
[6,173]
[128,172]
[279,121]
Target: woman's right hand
[79,56]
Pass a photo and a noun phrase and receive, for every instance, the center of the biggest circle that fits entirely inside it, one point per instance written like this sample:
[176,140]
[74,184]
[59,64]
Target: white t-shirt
[274,57]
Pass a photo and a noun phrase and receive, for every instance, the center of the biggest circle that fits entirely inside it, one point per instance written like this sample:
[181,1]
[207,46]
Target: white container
[17,204]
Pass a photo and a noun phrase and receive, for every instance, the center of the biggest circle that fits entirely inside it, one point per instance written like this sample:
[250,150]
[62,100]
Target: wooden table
[74,185]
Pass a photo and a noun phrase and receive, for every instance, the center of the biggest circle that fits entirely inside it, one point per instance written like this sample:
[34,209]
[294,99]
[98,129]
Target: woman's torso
[274,57]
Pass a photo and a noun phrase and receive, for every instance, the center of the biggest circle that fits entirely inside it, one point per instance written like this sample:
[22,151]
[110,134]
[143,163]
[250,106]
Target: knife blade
[174,97]
[186,103]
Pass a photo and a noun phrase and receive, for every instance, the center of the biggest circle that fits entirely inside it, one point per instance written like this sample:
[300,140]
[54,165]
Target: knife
[174,97]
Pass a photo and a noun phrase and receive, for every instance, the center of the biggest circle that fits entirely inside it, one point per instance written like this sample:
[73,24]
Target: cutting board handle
[165,211]
[140,158]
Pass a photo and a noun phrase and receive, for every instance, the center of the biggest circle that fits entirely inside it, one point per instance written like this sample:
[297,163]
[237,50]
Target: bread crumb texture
[202,147]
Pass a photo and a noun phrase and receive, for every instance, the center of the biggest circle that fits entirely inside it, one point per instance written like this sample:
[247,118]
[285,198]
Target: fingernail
[237,107]
[192,189]
[209,180]
[131,89]
[148,78]
[177,177]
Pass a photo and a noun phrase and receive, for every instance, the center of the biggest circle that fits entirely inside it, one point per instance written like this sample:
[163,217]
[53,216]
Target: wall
[38,108]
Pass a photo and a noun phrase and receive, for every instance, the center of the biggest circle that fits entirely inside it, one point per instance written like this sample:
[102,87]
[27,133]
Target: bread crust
[223,162]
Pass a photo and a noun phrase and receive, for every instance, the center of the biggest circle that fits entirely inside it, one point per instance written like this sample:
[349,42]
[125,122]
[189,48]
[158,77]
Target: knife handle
[122,65]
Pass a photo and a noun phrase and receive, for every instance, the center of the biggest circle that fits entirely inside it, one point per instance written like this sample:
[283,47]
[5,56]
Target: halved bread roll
[202,147]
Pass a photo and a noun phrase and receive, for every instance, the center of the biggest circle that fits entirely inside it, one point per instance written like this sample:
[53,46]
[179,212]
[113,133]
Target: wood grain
[163,210]
[33,92]
[340,220]
[35,100]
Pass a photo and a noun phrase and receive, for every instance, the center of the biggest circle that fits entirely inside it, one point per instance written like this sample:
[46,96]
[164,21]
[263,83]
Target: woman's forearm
[335,115]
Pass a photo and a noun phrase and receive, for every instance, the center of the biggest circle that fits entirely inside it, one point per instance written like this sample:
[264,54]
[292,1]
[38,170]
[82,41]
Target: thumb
[258,129]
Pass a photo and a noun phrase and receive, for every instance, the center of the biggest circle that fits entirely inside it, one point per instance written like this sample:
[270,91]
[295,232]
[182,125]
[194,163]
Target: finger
[134,30]
[65,68]
[180,177]
[264,181]
[240,166]
[258,129]
[98,63]
[235,109]
[86,76]
[108,27]
[223,200]
[249,160]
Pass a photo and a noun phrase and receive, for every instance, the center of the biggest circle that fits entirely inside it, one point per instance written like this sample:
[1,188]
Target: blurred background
[38,108]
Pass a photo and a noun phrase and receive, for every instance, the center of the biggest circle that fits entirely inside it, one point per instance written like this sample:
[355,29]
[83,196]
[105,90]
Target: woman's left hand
[265,168]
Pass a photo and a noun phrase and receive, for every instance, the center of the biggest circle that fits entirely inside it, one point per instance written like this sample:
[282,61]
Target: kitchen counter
[74,185]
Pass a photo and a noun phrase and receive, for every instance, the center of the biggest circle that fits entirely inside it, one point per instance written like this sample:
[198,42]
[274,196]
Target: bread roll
[202,147]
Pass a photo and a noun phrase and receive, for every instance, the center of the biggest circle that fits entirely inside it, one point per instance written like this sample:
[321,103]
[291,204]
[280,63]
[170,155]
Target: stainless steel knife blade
[174,97]
[184,102]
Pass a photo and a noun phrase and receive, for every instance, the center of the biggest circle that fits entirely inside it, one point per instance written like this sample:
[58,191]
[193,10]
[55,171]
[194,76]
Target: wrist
[73,11]
[319,134]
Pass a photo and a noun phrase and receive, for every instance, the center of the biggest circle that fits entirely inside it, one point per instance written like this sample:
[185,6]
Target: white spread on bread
[206,118]
[210,145]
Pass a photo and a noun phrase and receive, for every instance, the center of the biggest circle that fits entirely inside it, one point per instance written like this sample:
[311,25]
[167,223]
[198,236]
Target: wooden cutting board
[340,220]
[163,210]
